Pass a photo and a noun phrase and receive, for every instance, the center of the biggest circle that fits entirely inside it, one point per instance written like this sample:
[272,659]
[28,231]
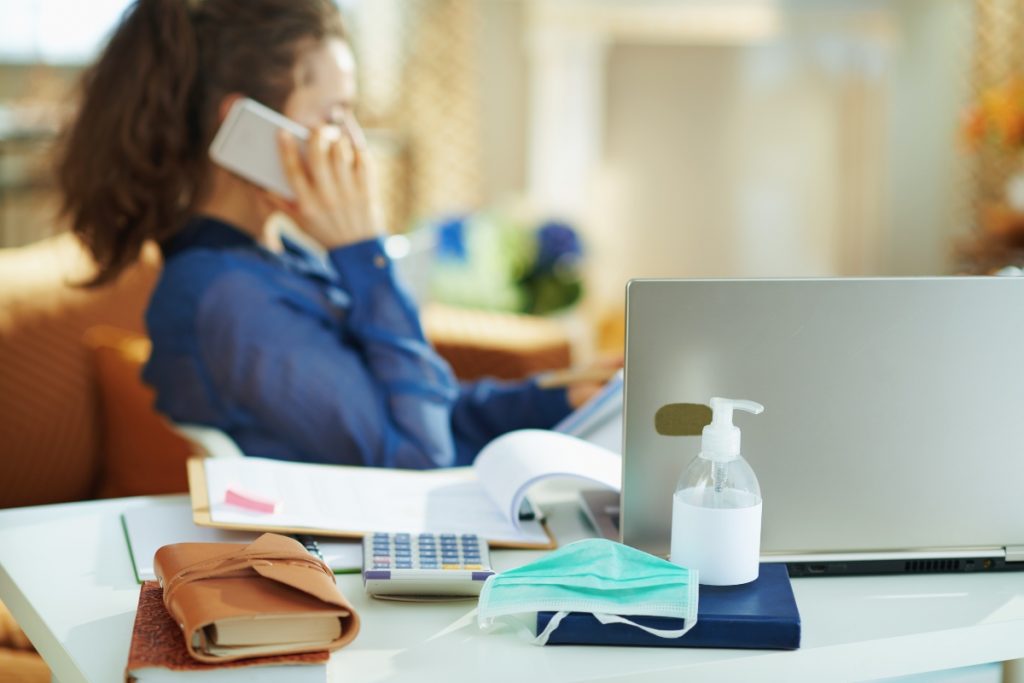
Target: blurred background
[544,151]
[532,156]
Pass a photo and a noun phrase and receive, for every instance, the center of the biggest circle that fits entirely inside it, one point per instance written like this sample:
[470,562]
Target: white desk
[66,575]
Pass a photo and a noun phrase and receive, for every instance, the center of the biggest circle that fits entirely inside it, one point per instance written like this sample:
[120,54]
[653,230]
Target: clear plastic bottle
[716,509]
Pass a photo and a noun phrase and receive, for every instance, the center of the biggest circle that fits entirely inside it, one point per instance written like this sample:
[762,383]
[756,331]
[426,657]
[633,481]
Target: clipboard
[202,510]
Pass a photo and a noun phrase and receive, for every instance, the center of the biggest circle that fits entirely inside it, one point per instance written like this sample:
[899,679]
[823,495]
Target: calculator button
[455,561]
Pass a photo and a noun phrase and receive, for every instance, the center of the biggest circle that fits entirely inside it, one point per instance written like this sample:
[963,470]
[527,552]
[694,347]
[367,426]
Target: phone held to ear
[246,144]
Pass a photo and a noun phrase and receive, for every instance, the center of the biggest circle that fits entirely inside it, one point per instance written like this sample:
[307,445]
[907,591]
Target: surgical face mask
[610,580]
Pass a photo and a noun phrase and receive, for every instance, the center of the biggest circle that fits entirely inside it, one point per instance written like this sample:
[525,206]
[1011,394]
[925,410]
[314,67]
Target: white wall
[829,149]
[926,183]
[504,93]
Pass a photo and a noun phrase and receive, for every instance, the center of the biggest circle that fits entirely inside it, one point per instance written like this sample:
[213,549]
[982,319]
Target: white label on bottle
[722,543]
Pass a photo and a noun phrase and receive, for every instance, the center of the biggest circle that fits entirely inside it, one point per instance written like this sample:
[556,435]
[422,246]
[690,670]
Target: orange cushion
[49,417]
[18,662]
[140,454]
[17,666]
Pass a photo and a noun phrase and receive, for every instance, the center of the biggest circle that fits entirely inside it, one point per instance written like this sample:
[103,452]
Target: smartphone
[246,144]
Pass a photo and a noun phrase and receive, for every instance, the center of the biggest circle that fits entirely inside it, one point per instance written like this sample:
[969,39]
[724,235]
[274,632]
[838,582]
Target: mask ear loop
[606,619]
[556,619]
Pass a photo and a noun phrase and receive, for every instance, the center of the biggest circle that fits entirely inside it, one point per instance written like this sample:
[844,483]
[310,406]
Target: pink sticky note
[251,502]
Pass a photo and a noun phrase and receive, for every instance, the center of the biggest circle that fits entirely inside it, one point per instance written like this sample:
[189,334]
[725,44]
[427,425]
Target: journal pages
[337,500]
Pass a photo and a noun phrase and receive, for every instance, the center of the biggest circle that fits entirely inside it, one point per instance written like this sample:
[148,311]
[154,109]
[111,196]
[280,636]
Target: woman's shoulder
[198,279]
[194,273]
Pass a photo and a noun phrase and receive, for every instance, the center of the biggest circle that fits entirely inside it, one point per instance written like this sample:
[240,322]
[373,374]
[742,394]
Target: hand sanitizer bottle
[716,510]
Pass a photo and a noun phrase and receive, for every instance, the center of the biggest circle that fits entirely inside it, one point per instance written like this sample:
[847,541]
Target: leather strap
[238,564]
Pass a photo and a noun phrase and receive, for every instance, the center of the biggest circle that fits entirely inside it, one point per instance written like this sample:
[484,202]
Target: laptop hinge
[1015,553]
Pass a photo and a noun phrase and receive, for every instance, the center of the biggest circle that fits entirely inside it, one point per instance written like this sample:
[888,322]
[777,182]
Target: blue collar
[204,232]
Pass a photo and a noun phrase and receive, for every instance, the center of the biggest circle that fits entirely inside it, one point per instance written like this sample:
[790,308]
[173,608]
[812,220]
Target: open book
[336,500]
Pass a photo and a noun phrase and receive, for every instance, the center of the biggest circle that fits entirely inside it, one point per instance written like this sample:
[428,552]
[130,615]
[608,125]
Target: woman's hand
[579,392]
[332,195]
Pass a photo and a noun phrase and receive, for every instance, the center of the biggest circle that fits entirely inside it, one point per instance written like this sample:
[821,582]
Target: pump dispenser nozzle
[720,440]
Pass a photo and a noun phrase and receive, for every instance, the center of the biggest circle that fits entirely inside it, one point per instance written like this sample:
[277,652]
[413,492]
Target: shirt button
[380,261]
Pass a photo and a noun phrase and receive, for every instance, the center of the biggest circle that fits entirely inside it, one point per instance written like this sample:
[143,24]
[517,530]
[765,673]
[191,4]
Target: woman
[294,356]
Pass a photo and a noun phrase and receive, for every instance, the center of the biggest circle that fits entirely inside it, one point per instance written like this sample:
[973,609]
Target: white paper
[149,528]
[362,500]
[512,463]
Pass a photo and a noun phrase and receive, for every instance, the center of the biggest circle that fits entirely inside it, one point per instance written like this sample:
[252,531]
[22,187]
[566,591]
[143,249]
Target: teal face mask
[607,579]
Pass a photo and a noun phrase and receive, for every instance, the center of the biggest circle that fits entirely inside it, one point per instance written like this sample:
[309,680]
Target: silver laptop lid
[894,413]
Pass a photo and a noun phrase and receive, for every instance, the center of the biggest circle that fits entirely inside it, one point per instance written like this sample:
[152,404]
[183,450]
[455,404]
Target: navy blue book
[759,615]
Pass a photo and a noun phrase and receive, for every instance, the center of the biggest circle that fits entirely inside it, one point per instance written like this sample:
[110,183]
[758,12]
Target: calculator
[425,566]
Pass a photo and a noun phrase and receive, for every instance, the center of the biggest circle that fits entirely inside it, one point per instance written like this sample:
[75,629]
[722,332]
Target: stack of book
[263,611]
[158,654]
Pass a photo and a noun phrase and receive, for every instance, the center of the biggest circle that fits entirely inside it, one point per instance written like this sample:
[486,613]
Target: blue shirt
[300,359]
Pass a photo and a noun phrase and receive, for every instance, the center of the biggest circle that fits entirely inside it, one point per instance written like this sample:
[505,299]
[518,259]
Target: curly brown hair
[133,163]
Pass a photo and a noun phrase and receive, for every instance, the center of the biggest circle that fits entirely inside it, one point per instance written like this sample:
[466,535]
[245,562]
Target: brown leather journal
[158,647]
[270,597]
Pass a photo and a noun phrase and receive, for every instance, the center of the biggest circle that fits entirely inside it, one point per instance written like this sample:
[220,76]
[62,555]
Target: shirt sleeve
[387,322]
[360,386]
[488,408]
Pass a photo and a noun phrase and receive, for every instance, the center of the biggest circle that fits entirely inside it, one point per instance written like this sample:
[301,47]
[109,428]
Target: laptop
[893,433]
